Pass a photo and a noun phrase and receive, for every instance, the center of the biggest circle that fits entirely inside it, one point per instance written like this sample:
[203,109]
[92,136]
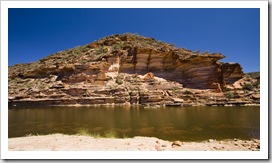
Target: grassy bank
[107,134]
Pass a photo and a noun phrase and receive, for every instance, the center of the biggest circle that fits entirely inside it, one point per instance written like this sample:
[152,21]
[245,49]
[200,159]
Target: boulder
[176,144]
[148,76]
[256,96]
[177,100]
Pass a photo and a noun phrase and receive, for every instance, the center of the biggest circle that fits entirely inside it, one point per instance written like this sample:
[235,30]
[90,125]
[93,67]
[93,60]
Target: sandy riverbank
[60,142]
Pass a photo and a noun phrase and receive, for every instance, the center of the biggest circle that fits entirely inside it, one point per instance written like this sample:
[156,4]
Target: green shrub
[118,46]
[119,81]
[83,131]
[84,62]
[110,134]
[95,135]
[188,92]
[78,49]
[115,47]
[248,86]
[206,52]
[125,136]
[100,50]
[41,86]
[229,94]
[197,52]
[256,84]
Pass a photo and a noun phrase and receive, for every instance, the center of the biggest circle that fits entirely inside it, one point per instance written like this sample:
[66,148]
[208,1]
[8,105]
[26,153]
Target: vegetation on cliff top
[114,45]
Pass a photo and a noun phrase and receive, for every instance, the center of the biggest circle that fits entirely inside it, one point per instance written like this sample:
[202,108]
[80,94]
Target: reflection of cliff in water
[186,124]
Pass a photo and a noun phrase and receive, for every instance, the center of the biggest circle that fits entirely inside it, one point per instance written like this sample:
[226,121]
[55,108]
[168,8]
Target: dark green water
[170,123]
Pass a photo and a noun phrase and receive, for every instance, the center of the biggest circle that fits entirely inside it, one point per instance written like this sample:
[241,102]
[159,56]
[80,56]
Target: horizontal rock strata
[130,69]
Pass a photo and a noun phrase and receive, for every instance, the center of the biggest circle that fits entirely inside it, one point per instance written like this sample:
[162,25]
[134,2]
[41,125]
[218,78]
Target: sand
[60,142]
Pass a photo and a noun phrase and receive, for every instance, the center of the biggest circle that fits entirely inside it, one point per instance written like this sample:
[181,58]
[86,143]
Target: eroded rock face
[196,71]
[231,72]
[125,69]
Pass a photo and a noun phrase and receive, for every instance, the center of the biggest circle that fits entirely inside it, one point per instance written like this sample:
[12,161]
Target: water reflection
[186,124]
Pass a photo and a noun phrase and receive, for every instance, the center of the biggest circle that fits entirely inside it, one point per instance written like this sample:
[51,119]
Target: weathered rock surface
[131,69]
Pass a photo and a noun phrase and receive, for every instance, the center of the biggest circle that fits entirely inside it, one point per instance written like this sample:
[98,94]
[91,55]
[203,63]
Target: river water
[169,123]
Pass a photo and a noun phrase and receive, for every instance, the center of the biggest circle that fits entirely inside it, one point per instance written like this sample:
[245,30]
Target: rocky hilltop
[131,69]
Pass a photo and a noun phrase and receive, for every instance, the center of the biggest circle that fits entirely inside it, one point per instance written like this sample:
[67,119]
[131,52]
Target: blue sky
[36,33]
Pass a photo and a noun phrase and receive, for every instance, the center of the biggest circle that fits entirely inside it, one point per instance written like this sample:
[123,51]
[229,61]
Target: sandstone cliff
[129,69]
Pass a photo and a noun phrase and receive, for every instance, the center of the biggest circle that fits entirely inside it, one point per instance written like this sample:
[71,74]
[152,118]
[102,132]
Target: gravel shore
[60,142]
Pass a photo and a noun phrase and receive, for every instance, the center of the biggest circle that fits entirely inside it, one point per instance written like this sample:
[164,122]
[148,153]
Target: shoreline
[61,142]
[21,104]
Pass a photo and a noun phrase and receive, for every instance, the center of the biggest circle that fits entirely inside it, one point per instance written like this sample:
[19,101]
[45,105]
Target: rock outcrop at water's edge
[132,70]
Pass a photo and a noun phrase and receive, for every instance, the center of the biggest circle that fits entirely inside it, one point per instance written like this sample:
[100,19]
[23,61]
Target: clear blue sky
[36,33]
